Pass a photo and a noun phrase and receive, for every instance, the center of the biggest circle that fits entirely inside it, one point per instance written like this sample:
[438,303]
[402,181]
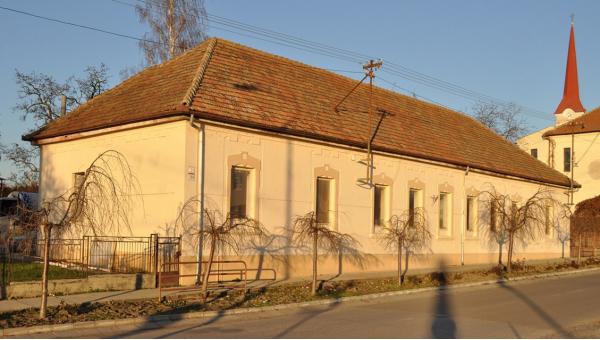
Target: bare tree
[408,232]
[562,228]
[521,221]
[219,232]
[505,120]
[40,99]
[309,231]
[175,25]
[99,203]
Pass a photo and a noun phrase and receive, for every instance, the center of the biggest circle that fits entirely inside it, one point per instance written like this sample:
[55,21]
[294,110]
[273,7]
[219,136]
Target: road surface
[538,308]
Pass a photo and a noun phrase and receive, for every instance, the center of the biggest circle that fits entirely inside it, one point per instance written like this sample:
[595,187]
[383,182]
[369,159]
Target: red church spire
[570,98]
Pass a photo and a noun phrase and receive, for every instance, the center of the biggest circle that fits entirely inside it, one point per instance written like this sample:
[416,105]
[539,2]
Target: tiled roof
[247,87]
[589,122]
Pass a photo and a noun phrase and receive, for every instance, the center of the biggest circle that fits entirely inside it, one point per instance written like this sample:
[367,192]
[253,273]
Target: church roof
[587,123]
[230,83]
[570,98]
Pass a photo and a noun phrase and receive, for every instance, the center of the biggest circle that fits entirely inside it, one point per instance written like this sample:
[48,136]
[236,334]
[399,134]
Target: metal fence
[111,254]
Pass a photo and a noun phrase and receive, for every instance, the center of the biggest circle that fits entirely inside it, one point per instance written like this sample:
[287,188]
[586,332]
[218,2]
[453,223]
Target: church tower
[570,106]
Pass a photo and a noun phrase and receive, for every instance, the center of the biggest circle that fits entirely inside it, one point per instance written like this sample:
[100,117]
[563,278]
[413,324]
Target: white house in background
[257,135]
[572,144]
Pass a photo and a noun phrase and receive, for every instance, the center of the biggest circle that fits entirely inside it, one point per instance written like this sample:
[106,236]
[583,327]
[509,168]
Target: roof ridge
[189,96]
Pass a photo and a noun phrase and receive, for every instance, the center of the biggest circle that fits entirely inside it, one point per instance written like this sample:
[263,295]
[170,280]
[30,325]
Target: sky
[511,50]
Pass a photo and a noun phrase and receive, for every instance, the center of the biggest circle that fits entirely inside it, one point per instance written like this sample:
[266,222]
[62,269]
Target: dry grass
[274,295]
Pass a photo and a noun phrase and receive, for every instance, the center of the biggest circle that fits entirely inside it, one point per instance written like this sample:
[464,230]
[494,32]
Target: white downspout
[463,218]
[200,194]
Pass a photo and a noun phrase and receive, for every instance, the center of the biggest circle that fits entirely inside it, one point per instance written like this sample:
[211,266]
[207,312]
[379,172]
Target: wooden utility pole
[572,165]
[370,68]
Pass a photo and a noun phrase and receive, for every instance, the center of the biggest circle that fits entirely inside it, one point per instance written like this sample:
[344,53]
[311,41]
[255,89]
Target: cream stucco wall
[165,159]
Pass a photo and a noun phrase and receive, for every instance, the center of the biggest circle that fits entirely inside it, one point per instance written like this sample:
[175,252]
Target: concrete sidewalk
[14,305]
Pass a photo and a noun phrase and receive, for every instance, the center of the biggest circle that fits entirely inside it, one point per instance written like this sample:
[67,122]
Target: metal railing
[174,277]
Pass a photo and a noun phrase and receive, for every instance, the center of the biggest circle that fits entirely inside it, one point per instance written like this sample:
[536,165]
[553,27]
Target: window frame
[244,160]
[445,212]
[384,205]
[246,195]
[567,159]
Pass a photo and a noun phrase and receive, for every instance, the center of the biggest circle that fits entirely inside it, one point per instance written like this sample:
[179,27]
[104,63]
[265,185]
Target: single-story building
[258,135]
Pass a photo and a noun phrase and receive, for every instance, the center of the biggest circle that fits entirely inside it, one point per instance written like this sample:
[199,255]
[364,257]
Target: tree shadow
[177,315]
[538,310]
[443,325]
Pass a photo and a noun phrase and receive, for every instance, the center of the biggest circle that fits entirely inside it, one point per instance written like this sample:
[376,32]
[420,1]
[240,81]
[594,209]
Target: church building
[572,144]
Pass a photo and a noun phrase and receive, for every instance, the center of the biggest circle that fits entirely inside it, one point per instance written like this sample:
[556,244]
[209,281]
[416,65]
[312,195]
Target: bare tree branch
[505,120]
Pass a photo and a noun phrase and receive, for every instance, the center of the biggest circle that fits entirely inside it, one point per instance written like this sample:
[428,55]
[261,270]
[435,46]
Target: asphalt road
[554,307]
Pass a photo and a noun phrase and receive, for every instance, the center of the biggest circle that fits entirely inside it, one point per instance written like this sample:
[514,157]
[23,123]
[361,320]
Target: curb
[155,320]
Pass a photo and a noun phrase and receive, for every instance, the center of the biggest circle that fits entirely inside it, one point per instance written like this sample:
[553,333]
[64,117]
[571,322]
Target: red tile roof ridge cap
[191,92]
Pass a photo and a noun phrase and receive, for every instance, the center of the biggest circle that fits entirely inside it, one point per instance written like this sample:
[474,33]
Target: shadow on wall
[443,325]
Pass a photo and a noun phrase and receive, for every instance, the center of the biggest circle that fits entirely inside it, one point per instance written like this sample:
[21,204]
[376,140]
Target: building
[572,144]
[256,134]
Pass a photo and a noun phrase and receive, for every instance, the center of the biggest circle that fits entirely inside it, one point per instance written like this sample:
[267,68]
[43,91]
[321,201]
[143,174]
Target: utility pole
[370,68]
[572,165]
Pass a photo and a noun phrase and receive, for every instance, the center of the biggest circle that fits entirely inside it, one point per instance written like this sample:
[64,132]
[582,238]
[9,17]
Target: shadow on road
[443,325]
[538,310]
[310,315]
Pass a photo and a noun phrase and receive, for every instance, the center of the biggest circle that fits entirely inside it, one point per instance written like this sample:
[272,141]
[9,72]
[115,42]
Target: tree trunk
[211,256]
[400,262]
[563,249]
[500,253]
[314,266]
[405,264]
[44,302]
[510,252]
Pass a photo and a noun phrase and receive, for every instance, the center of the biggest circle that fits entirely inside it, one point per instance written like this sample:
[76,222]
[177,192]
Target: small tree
[220,231]
[562,228]
[408,232]
[520,221]
[99,203]
[309,231]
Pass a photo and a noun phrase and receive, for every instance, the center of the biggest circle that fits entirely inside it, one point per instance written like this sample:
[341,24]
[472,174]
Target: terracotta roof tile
[248,87]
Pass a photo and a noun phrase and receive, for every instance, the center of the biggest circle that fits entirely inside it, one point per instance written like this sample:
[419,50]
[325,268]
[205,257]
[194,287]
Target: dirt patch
[268,296]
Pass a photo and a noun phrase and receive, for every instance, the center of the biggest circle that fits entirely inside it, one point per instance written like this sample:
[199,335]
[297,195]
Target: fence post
[155,268]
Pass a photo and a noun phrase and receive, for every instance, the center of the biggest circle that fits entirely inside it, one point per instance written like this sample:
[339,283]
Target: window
[324,200]
[380,205]
[534,153]
[471,213]
[445,211]
[239,192]
[414,202]
[548,220]
[493,216]
[567,159]
[78,178]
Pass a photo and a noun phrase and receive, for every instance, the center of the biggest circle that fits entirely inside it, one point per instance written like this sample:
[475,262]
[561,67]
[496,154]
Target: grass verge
[267,296]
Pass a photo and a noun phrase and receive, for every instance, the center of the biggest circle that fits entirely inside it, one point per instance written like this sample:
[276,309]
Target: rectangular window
[493,216]
[380,205]
[548,219]
[323,199]
[78,178]
[414,202]
[567,159]
[444,210]
[239,192]
[534,153]
[471,213]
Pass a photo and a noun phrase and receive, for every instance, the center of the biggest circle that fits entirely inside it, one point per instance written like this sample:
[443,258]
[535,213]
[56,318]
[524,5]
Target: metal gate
[168,251]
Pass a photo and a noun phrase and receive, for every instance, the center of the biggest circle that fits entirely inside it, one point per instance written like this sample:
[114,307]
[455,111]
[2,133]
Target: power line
[305,45]
[347,55]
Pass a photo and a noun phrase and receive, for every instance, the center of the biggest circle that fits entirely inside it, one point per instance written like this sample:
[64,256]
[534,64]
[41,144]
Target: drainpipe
[200,192]
[464,218]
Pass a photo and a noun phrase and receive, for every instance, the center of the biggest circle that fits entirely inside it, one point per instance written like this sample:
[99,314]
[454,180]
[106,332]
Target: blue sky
[514,50]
